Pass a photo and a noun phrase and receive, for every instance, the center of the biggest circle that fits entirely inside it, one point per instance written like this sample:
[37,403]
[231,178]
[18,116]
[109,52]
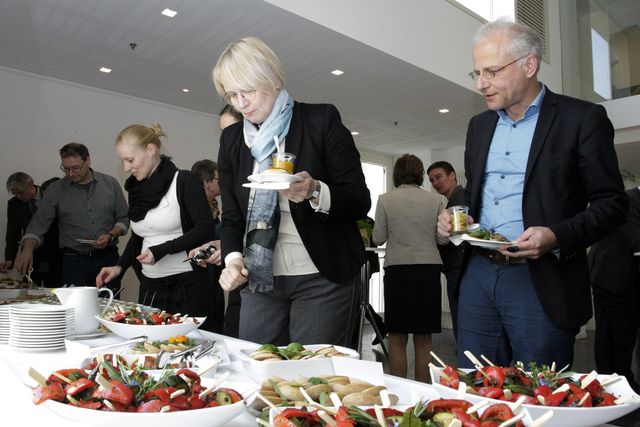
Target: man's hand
[24,261]
[444,224]
[234,275]
[5,266]
[102,241]
[107,274]
[146,257]
[298,191]
[533,243]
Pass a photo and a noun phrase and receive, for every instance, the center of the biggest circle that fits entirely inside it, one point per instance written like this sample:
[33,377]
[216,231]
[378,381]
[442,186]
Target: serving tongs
[196,353]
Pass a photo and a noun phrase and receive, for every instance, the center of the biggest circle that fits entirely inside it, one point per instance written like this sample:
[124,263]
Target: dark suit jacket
[325,149]
[572,185]
[613,266]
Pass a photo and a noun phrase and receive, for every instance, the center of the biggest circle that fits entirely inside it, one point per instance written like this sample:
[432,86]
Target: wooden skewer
[588,379]
[518,403]
[177,393]
[584,398]
[37,376]
[208,368]
[473,359]
[477,406]
[542,419]
[73,400]
[165,408]
[507,394]
[109,405]
[384,396]
[611,379]
[263,422]
[455,423]
[562,388]
[335,399]
[563,369]
[327,418]
[62,377]
[380,416]
[512,420]
[462,389]
[435,356]
[553,366]
[487,360]
[306,395]
[222,378]
[103,382]
[267,401]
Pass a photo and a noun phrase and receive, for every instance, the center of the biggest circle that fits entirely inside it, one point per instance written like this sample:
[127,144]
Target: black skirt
[412,299]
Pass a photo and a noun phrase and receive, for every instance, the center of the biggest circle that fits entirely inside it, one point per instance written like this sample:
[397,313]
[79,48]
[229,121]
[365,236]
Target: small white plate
[487,244]
[94,334]
[267,185]
[87,241]
[274,177]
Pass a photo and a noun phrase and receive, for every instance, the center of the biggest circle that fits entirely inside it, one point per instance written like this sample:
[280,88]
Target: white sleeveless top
[159,225]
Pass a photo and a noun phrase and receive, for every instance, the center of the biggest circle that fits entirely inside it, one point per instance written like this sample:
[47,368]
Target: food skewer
[263,422]
[335,399]
[327,418]
[487,360]
[37,377]
[588,379]
[542,419]
[384,396]
[473,359]
[462,389]
[222,378]
[512,420]
[380,416]
[267,401]
[518,403]
[435,356]
[611,379]
[477,406]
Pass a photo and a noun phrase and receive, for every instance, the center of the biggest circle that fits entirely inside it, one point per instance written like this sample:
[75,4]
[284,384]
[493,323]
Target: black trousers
[617,321]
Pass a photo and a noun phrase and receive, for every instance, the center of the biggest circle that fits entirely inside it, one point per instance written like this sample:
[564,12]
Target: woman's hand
[215,259]
[146,257]
[234,275]
[298,191]
[107,274]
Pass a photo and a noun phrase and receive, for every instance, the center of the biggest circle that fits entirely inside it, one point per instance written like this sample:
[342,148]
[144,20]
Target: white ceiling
[392,104]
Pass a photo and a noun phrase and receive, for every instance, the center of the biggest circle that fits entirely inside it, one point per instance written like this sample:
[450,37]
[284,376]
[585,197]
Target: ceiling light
[105,70]
[443,110]
[337,72]
[170,13]
[185,90]
[355,133]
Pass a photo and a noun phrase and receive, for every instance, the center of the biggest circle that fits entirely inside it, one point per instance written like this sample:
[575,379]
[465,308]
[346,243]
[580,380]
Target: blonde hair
[142,135]
[248,64]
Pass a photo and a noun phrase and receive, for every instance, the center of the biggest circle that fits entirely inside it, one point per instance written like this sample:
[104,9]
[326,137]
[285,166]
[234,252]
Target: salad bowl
[152,332]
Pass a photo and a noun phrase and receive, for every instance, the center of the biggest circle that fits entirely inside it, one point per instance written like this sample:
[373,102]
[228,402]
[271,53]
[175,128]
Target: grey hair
[523,39]
[19,181]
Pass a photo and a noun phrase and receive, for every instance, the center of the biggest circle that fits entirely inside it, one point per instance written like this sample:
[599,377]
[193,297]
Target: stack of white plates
[40,327]
[4,324]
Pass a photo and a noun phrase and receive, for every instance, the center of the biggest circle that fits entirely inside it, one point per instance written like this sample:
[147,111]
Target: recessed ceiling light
[170,13]
[105,70]
[355,133]
[443,110]
[185,90]
[337,72]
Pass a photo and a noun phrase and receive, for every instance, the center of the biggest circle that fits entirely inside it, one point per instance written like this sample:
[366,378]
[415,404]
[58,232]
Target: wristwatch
[315,193]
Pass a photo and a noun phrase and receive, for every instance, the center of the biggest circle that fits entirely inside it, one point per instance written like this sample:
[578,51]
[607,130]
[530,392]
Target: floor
[444,347]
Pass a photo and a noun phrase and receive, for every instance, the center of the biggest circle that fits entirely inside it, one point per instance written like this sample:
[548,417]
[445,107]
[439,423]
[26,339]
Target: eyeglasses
[247,95]
[488,73]
[74,169]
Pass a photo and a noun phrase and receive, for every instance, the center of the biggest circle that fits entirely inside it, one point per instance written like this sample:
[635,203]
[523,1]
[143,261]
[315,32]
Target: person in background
[406,219]
[91,212]
[615,281]
[20,209]
[207,170]
[169,215]
[303,250]
[542,171]
[443,179]
[228,116]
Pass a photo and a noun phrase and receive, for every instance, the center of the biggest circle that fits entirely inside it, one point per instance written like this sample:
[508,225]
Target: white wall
[38,115]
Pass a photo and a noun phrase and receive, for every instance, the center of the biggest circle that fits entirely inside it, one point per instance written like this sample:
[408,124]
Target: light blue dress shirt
[503,184]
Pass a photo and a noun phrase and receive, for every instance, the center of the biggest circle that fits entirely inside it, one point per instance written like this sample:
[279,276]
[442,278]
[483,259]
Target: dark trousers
[308,309]
[501,317]
[617,322]
[232,315]
[185,293]
[215,318]
[453,277]
[81,269]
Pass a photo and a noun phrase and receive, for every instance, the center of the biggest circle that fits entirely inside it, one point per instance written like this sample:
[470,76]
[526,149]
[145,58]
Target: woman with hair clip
[169,215]
[298,249]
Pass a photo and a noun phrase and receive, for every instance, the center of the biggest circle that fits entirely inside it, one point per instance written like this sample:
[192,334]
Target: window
[489,10]
[376,178]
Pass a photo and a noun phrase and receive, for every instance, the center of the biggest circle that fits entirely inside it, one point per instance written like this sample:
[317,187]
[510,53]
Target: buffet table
[16,396]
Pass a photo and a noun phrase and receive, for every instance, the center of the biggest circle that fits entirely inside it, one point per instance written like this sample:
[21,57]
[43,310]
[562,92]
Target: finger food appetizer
[294,351]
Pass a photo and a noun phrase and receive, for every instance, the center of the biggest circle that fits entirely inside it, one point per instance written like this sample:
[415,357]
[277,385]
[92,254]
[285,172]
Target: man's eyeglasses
[489,73]
[74,169]
[247,95]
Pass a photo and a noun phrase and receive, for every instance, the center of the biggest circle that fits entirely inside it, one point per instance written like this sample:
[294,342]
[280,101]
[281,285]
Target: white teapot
[84,300]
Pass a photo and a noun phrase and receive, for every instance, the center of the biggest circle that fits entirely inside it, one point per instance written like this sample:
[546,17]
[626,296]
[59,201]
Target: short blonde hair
[142,135]
[248,64]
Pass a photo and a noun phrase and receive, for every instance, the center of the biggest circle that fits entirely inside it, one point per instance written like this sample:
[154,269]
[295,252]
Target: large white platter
[562,417]
[153,332]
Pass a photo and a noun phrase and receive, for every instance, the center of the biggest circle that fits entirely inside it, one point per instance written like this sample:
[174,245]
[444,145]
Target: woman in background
[169,215]
[406,219]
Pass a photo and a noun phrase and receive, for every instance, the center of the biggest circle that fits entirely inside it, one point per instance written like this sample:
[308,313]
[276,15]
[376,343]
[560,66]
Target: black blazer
[611,261]
[325,149]
[572,185]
